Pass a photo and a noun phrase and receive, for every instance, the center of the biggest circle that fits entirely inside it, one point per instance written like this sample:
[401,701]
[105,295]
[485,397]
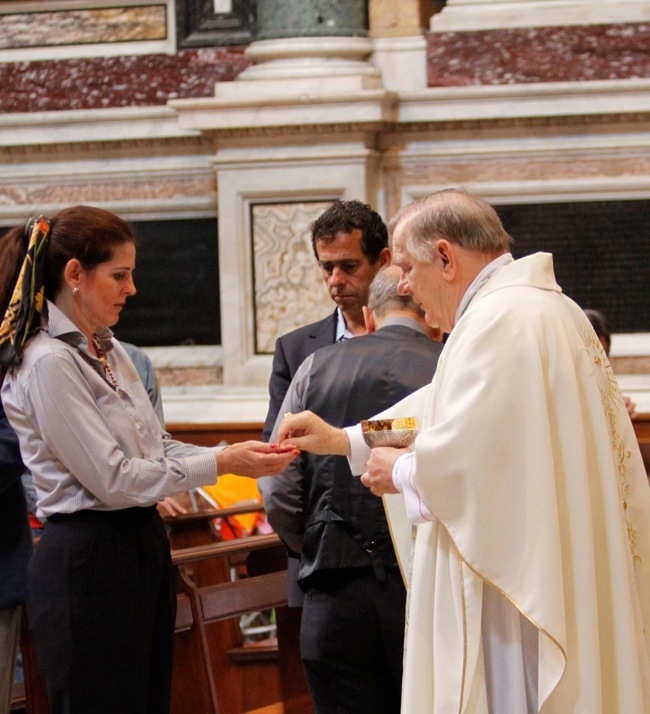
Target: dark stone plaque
[177,279]
[601,253]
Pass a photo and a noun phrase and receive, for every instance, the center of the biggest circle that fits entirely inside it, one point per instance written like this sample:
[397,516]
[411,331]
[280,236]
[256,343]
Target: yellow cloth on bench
[232,490]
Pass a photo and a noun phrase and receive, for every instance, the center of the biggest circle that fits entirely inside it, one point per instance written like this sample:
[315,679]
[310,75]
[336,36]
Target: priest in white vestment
[530,574]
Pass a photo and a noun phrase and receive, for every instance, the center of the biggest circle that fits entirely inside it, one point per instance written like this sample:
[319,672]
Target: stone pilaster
[405,18]
[396,29]
[460,15]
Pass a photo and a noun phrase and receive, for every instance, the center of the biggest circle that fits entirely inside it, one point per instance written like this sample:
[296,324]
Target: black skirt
[101,609]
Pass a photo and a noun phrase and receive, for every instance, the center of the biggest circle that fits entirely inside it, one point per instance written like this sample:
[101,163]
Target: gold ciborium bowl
[398,433]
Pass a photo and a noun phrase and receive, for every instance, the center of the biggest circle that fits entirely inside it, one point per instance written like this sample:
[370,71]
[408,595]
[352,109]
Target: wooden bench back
[215,671]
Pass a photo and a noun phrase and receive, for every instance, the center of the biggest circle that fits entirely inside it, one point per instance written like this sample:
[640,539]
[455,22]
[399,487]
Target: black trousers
[352,642]
[101,610]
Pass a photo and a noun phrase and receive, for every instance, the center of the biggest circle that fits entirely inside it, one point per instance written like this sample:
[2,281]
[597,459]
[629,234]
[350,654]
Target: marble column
[307,46]
[311,18]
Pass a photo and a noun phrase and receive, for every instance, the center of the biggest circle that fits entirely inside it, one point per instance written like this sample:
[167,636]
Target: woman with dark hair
[100,599]
[601,328]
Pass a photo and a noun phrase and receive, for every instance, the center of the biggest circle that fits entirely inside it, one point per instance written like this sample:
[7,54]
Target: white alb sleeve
[416,510]
[359,450]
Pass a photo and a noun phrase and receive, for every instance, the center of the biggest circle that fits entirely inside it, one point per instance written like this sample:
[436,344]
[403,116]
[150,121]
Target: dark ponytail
[13,248]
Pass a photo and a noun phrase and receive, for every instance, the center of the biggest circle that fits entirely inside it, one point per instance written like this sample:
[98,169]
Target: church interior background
[222,128]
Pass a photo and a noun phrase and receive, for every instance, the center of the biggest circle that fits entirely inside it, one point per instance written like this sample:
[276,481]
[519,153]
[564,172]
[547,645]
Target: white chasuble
[529,463]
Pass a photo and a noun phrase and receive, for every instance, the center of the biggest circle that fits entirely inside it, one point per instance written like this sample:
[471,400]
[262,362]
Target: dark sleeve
[278,386]
[15,536]
[11,463]
[144,367]
[290,351]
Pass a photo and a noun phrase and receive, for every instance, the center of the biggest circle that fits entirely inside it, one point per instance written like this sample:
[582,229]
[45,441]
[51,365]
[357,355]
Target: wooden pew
[214,671]
[33,698]
[184,533]
[213,434]
[641,423]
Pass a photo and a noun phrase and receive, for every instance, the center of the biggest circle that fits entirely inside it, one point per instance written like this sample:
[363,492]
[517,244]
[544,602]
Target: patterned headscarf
[27,305]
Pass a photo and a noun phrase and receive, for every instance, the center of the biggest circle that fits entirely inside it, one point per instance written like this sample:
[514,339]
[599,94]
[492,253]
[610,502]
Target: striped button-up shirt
[87,444]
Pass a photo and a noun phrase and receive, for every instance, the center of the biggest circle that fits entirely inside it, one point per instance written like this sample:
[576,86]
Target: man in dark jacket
[352,625]
[350,242]
[15,550]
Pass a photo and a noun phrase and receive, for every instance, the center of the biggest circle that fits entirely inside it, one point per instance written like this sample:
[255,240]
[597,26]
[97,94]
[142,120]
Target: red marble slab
[126,81]
[542,54]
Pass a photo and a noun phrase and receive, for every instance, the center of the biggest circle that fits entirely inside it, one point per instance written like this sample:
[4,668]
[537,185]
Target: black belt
[124,515]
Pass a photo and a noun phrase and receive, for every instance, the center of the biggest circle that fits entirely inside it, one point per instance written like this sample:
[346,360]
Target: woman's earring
[75,292]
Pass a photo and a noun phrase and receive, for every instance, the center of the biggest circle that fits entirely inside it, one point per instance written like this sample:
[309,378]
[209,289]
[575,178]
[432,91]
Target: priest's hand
[379,476]
[309,432]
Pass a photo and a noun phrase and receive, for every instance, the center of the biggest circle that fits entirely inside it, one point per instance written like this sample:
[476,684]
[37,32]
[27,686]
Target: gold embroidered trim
[612,401]
[462,596]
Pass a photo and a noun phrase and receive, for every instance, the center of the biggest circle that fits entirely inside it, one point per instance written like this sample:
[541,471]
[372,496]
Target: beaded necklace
[101,356]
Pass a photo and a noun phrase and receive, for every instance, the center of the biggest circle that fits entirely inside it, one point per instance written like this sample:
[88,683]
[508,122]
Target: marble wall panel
[62,192]
[124,81]
[457,173]
[630,365]
[289,289]
[78,27]
[578,169]
[543,54]
[175,377]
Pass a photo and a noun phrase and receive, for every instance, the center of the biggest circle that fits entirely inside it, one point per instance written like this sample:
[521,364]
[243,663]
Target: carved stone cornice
[317,110]
[67,150]
[208,141]
[520,122]
[301,130]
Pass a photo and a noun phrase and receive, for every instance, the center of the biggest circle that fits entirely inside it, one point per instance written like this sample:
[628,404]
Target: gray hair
[383,296]
[453,214]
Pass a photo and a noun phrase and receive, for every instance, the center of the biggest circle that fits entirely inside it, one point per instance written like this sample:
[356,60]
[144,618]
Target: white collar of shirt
[479,281]
[342,331]
[59,325]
